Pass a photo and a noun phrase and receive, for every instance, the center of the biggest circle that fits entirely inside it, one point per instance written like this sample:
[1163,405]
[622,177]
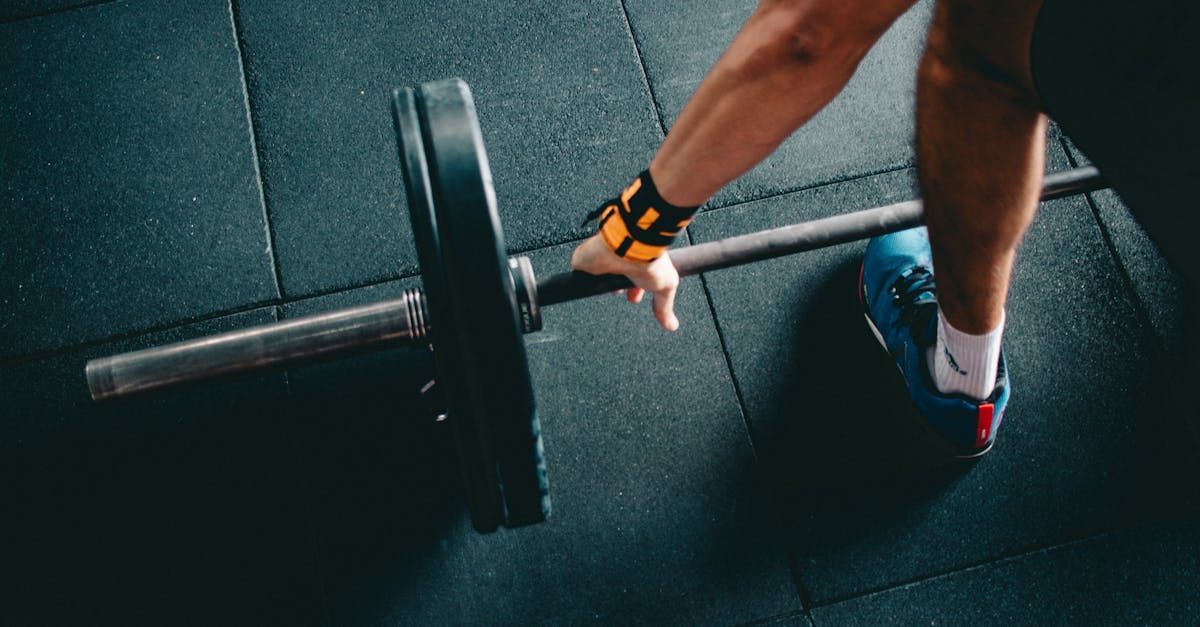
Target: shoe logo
[953,364]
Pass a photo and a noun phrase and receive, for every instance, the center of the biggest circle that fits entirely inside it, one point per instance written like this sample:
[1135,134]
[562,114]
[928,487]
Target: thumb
[577,257]
[664,308]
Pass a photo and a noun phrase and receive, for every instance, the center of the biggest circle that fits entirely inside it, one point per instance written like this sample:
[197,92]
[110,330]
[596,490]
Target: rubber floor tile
[17,10]
[383,473]
[1156,284]
[1085,446]
[562,102]
[659,509]
[24,9]
[1142,576]
[175,507]
[867,129]
[128,187]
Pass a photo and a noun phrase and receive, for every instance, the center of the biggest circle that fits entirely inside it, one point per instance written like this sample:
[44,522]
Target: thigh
[991,38]
[1120,78]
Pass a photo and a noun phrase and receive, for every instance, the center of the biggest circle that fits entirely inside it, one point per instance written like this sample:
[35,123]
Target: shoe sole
[879,337]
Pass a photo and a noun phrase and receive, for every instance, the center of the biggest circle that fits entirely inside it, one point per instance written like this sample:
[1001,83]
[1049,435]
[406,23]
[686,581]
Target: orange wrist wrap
[640,225]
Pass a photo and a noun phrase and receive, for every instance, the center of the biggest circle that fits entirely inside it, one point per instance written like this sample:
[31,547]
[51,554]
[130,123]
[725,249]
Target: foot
[897,291]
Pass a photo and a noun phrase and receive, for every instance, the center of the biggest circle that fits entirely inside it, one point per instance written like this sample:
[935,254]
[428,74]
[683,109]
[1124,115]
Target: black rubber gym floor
[169,171]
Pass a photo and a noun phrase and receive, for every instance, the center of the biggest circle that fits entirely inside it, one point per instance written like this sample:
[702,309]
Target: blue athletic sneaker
[897,291]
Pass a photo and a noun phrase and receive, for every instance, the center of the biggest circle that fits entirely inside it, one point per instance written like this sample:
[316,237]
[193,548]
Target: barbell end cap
[100,379]
[525,287]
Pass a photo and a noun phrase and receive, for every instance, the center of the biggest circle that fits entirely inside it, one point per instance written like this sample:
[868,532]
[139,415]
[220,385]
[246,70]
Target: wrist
[639,225]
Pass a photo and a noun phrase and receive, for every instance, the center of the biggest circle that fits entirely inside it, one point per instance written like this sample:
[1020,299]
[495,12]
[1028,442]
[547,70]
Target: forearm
[788,62]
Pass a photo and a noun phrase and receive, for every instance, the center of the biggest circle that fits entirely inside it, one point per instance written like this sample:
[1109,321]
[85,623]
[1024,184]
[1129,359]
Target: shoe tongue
[925,321]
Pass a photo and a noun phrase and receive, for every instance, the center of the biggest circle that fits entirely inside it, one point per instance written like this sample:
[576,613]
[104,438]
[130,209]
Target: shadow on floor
[382,473]
[845,446]
[847,417]
[183,504]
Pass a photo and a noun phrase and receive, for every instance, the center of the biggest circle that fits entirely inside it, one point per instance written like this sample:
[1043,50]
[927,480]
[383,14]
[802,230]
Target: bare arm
[787,62]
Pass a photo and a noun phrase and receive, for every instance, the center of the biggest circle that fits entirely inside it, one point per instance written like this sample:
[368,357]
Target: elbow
[803,38]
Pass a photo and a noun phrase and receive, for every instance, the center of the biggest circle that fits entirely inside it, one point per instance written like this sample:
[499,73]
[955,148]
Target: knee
[981,44]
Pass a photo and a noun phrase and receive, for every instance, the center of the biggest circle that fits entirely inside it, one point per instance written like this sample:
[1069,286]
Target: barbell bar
[475,304]
[406,321]
[796,238]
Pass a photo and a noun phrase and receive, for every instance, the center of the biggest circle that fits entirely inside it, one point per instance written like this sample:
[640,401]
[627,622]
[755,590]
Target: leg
[980,147]
[980,143]
[789,60]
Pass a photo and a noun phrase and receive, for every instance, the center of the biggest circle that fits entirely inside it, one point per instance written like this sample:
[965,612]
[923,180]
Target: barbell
[475,305]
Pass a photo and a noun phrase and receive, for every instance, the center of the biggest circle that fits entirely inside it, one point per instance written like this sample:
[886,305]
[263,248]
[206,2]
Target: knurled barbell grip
[787,240]
[400,321]
[743,249]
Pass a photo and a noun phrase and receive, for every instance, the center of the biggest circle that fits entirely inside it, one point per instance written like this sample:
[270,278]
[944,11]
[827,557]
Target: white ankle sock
[963,363]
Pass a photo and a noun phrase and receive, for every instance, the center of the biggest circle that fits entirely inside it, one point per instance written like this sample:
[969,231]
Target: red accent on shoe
[983,427]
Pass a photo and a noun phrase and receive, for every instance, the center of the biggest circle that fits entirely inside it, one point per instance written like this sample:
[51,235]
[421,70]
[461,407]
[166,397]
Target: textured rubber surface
[1153,582]
[128,188]
[1120,79]
[560,90]
[206,477]
[867,128]
[864,504]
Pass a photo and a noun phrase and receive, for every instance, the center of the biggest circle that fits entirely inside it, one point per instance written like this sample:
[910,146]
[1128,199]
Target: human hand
[658,277]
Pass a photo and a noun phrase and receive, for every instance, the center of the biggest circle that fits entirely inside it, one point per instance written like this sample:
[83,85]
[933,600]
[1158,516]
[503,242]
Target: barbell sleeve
[397,322]
[796,238]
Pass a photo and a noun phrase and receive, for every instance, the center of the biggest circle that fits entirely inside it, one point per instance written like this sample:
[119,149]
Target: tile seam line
[777,511]
[298,298]
[17,359]
[1139,304]
[573,238]
[788,191]
[1157,345]
[376,282]
[641,60]
[256,157]
[55,11]
[776,618]
[1003,558]
[715,210]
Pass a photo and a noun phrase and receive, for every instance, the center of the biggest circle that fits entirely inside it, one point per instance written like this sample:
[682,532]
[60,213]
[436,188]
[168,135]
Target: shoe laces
[914,292]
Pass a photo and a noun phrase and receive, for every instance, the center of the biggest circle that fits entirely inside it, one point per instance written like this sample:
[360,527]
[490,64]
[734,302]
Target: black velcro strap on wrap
[663,230]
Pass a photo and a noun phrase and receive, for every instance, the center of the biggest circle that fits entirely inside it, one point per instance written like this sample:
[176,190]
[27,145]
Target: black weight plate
[482,297]
[474,445]
[479,298]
